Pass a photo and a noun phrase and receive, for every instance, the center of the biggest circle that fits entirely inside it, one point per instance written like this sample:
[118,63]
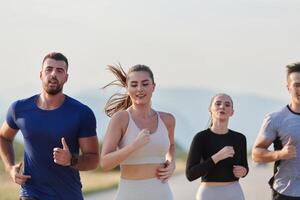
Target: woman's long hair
[120,101]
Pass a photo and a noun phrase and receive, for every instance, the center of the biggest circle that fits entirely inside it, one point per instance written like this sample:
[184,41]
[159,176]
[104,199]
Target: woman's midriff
[216,183]
[140,171]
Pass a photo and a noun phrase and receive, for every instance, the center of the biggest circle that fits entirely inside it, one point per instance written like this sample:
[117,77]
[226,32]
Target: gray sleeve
[268,129]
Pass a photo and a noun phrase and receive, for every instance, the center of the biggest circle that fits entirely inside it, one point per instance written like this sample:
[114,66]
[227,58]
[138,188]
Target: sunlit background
[195,48]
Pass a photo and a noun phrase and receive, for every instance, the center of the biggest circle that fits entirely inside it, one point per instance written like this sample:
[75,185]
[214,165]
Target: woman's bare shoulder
[167,118]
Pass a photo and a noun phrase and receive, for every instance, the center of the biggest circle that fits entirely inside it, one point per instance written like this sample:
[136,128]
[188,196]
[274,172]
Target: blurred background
[195,49]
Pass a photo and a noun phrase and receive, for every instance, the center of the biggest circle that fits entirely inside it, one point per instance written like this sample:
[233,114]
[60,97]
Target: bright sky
[239,46]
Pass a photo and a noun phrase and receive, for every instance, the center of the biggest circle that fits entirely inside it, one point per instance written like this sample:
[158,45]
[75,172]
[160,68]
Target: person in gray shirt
[282,128]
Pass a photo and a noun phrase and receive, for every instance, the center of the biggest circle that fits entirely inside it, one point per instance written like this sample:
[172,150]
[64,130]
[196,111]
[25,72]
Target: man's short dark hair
[56,56]
[291,68]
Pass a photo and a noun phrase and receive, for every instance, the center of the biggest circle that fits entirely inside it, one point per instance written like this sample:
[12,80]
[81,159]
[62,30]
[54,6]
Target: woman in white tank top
[138,138]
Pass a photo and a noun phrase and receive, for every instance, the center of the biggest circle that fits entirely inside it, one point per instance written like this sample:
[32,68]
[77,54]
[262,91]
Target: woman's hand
[166,171]
[224,153]
[141,139]
[239,171]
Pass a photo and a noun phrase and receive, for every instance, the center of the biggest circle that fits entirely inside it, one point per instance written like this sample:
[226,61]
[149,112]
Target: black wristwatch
[74,160]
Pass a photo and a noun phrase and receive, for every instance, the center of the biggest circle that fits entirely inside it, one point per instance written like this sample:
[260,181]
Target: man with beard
[55,128]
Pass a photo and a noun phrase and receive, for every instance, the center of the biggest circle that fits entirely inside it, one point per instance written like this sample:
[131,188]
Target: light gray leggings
[146,189]
[227,192]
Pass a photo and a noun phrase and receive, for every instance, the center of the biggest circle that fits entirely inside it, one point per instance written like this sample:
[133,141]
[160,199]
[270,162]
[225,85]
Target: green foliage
[19,151]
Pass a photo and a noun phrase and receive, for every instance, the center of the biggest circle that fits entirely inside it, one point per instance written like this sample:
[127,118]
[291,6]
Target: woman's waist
[140,171]
[212,183]
[220,177]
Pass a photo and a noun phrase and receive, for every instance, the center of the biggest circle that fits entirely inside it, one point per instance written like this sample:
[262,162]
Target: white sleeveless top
[153,152]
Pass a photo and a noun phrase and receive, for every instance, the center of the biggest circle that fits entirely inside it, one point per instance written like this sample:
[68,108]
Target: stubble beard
[53,91]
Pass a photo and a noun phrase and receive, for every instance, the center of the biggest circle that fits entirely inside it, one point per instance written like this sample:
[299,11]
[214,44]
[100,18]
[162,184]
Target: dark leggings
[278,196]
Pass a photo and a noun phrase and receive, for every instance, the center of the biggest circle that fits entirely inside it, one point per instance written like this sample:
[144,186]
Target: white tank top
[153,152]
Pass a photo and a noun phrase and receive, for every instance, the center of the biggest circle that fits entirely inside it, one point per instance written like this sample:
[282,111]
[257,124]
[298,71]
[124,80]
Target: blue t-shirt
[42,131]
